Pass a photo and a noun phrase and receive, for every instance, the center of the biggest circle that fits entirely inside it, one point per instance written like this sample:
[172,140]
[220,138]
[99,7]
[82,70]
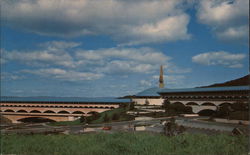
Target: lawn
[124,144]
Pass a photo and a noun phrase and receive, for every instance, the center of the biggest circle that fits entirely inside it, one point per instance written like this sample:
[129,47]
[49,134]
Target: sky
[111,48]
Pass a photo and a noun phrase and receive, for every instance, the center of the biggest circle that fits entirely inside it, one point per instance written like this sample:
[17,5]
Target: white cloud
[54,53]
[228,18]
[125,60]
[65,75]
[145,83]
[132,22]
[6,76]
[126,66]
[120,60]
[146,55]
[237,33]
[219,58]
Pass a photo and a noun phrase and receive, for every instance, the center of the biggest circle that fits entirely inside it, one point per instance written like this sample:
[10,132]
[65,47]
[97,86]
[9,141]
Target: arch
[35,119]
[208,103]
[63,112]
[22,111]
[91,107]
[106,107]
[9,110]
[179,103]
[225,104]
[206,112]
[78,112]
[93,112]
[192,103]
[35,111]
[86,107]
[96,107]
[112,108]
[49,111]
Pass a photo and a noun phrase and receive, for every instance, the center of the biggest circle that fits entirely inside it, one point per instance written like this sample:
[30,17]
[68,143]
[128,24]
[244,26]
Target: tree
[165,104]
[132,106]
[82,119]
[116,116]
[106,118]
[240,106]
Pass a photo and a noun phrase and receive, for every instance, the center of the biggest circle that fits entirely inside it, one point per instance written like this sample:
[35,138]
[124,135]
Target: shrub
[239,115]
[240,106]
[116,116]
[106,118]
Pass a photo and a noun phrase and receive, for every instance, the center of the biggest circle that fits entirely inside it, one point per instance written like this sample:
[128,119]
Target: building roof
[149,92]
[66,99]
[208,89]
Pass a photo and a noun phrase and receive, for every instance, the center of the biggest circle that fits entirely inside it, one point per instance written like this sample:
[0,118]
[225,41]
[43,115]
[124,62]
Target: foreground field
[124,144]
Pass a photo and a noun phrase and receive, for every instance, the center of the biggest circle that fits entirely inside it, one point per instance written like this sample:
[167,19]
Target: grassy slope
[109,113]
[124,144]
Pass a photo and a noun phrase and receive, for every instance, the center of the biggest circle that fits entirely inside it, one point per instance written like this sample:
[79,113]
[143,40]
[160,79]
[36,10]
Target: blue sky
[92,48]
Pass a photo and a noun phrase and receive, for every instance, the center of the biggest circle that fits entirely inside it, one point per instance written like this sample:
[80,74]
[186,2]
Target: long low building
[148,97]
[55,108]
[206,98]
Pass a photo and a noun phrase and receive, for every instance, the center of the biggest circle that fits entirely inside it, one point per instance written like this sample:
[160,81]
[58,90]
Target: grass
[64,123]
[124,144]
[120,111]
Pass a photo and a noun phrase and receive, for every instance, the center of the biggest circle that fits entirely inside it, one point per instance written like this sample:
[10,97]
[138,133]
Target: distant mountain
[243,81]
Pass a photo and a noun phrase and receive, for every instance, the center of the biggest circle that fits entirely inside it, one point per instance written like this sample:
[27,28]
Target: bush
[106,118]
[116,116]
[223,111]
[239,106]
[239,115]
[132,106]
[82,119]
[174,109]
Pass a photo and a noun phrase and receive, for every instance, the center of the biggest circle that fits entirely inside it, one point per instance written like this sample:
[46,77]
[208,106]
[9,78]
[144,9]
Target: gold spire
[161,79]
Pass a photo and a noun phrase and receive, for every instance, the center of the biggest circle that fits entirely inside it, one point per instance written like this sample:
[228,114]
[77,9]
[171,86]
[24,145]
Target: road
[190,123]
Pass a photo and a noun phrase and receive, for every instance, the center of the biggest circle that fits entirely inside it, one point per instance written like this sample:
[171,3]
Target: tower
[161,80]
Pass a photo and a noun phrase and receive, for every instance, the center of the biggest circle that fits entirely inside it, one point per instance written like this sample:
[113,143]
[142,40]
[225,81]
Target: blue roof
[208,89]
[150,92]
[65,99]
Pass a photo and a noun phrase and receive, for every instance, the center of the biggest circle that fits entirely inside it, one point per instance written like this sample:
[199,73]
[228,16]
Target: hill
[243,81]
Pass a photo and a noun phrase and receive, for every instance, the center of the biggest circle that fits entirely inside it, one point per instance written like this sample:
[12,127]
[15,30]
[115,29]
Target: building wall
[142,101]
[206,100]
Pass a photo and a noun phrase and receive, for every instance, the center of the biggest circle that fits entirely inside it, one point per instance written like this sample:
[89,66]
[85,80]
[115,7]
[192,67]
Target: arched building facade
[206,98]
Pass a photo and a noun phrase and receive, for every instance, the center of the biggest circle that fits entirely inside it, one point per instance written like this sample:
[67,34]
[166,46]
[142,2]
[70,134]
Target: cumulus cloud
[120,61]
[143,54]
[145,83]
[66,75]
[129,22]
[125,60]
[220,58]
[228,18]
[52,52]
[6,76]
